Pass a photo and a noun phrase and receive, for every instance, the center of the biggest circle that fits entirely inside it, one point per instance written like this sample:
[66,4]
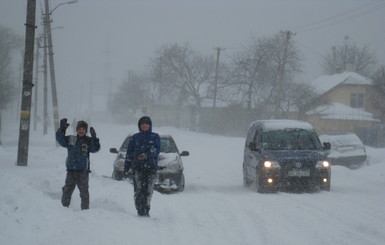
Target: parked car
[346,149]
[169,177]
[285,155]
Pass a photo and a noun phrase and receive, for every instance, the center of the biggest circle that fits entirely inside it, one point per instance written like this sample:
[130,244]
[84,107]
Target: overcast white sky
[103,39]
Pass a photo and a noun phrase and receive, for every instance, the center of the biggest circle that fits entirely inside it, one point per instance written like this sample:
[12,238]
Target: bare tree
[188,72]
[251,71]
[9,41]
[263,69]
[189,75]
[299,97]
[132,95]
[349,57]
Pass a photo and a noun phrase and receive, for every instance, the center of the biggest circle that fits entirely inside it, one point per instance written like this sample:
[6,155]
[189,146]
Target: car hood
[288,156]
[165,158]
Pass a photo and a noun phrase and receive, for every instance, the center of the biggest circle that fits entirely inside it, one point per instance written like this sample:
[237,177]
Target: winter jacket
[145,143]
[79,149]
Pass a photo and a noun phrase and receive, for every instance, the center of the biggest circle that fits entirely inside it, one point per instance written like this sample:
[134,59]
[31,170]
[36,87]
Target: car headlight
[322,164]
[271,164]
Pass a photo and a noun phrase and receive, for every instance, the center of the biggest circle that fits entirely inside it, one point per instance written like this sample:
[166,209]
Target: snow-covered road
[214,208]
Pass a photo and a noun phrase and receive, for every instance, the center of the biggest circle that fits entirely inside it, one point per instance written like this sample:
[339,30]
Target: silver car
[169,177]
[346,149]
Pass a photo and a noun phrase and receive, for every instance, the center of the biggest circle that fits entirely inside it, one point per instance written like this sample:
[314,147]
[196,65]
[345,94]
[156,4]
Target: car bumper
[276,179]
[168,180]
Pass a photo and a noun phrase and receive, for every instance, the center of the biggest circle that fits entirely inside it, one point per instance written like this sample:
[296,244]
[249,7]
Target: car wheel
[355,166]
[312,186]
[181,183]
[117,175]
[259,183]
[325,187]
[262,186]
[246,181]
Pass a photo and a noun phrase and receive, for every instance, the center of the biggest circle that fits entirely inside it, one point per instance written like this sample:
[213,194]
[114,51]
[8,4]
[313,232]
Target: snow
[166,158]
[213,209]
[282,124]
[341,112]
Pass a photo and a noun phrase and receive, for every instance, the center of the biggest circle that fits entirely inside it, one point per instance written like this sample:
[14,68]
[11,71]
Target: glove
[142,156]
[128,173]
[92,132]
[126,166]
[126,169]
[63,124]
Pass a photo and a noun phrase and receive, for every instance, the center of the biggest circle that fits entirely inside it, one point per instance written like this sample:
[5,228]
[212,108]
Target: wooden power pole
[25,113]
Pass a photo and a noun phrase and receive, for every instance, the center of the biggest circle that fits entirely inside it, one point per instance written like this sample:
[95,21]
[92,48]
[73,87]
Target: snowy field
[214,208]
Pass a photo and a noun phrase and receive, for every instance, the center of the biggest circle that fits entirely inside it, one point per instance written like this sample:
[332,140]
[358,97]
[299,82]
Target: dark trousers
[144,180]
[73,179]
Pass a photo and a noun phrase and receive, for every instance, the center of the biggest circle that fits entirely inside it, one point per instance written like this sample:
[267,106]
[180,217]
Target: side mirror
[184,154]
[113,150]
[327,145]
[253,146]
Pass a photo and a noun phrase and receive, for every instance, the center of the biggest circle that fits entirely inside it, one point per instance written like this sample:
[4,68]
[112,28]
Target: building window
[357,100]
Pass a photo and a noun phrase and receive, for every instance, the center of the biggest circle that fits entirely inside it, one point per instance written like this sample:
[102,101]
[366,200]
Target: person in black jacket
[78,160]
[142,157]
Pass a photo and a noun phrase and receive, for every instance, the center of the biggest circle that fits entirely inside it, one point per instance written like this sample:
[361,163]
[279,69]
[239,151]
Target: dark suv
[285,155]
[169,176]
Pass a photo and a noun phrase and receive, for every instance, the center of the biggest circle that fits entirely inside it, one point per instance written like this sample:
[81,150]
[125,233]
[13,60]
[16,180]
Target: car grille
[297,168]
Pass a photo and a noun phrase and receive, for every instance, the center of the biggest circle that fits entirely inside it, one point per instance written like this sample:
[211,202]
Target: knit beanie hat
[82,124]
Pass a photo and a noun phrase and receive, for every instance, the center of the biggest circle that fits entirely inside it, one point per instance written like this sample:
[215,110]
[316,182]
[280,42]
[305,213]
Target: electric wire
[345,16]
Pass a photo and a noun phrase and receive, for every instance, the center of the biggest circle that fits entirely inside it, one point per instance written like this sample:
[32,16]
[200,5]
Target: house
[344,105]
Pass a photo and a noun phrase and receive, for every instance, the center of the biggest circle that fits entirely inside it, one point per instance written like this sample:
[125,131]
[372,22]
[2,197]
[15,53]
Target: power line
[347,15]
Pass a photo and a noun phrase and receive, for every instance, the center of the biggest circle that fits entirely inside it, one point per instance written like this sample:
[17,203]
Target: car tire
[259,183]
[117,175]
[355,166]
[246,181]
[325,187]
[181,183]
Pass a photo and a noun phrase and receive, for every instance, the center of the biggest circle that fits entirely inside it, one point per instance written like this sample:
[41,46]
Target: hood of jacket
[146,119]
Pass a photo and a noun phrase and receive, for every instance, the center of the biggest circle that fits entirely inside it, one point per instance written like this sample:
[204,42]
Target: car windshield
[290,139]
[167,145]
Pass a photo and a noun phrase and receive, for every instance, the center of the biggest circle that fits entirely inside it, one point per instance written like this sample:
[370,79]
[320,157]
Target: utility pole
[55,108]
[36,83]
[334,60]
[345,61]
[216,76]
[160,79]
[25,113]
[281,80]
[45,72]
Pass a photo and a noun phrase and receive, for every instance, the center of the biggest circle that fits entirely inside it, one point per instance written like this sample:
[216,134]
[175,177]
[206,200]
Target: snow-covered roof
[341,112]
[327,82]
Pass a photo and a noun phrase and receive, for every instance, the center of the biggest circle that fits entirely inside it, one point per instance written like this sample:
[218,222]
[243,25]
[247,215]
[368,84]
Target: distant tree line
[260,79]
